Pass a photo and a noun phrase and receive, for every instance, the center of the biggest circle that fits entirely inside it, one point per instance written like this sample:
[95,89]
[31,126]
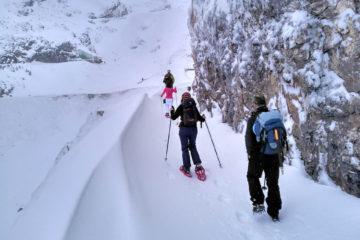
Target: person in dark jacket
[258,163]
[189,115]
[169,79]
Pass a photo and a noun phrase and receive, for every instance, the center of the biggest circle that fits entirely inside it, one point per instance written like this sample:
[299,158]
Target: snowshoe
[258,208]
[186,172]
[200,173]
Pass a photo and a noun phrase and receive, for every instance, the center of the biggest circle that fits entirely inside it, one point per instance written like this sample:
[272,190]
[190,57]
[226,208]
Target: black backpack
[168,82]
[189,113]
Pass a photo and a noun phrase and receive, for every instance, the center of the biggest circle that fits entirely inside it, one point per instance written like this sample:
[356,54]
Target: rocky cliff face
[304,56]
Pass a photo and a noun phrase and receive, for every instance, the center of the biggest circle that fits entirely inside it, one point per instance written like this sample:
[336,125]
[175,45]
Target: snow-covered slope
[78,164]
[163,204]
[39,132]
[155,30]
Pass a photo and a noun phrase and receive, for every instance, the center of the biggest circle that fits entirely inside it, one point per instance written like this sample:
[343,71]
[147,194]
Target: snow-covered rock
[303,55]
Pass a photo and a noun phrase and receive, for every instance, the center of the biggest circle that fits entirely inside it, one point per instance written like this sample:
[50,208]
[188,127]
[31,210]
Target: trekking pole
[213,144]
[162,105]
[176,99]
[167,146]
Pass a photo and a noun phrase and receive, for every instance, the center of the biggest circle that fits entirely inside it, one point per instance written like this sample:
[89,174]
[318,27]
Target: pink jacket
[169,92]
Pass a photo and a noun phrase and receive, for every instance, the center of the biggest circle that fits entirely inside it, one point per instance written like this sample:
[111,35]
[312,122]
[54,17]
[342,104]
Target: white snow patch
[354,161]
[332,125]
[343,19]
[301,112]
[296,21]
[336,38]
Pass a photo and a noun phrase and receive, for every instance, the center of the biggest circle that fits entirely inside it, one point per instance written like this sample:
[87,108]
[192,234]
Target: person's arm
[163,92]
[175,91]
[201,118]
[250,139]
[177,113]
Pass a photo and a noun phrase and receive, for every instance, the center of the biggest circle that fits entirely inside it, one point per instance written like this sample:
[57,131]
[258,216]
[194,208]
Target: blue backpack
[269,129]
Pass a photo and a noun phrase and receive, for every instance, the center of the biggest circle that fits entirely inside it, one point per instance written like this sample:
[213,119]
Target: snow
[332,126]
[297,20]
[82,146]
[343,19]
[301,112]
[355,161]
[336,39]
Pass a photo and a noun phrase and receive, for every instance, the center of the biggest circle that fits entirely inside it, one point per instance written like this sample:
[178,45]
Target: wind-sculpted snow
[48,198]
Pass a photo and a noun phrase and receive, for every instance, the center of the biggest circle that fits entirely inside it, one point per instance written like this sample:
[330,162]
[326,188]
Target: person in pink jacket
[168,99]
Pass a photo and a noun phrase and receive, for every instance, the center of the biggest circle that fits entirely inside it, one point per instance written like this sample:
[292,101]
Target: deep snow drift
[91,166]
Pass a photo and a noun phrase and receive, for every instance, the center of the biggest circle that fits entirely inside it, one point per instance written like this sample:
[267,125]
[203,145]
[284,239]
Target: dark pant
[270,165]
[188,142]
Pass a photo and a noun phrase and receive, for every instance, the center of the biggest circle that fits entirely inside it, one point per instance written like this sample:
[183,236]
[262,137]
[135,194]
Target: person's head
[185,95]
[259,100]
[168,71]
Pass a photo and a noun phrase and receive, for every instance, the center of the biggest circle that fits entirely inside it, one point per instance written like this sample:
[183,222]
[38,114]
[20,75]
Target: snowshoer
[189,114]
[259,162]
[168,101]
[169,79]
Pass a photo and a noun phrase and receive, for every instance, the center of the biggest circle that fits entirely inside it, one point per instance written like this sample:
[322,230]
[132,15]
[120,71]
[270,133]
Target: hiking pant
[188,142]
[168,104]
[270,165]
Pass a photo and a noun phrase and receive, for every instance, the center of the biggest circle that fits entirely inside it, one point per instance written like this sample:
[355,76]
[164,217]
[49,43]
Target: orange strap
[276,134]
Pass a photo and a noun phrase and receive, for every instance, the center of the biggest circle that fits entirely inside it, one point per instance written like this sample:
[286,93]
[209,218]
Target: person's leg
[168,104]
[253,175]
[273,199]
[184,139]
[192,146]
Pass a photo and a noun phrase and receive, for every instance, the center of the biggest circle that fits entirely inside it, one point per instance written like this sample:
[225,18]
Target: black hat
[259,99]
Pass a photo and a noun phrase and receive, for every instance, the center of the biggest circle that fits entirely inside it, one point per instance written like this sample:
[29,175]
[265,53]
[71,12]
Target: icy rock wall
[304,56]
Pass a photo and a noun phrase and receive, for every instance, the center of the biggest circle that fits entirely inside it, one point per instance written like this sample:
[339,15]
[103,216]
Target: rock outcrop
[304,56]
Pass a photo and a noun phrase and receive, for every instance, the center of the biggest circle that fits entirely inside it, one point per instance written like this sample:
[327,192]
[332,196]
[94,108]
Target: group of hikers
[189,115]
[265,138]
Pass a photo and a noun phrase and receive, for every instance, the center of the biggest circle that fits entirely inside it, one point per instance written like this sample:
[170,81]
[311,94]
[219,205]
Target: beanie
[186,95]
[259,100]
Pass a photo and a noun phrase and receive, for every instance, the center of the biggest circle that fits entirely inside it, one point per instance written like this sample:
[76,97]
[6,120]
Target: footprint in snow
[219,183]
[171,176]
[241,217]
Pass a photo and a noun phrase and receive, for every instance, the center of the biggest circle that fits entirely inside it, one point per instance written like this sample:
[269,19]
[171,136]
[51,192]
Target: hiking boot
[258,208]
[198,168]
[275,219]
[185,171]
[200,172]
[274,215]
